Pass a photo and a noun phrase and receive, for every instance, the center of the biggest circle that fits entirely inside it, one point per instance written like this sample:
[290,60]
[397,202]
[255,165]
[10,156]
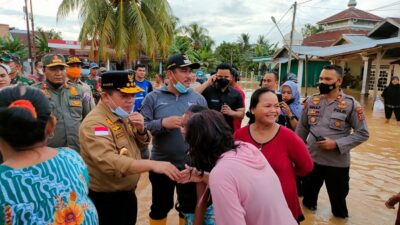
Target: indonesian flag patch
[101,131]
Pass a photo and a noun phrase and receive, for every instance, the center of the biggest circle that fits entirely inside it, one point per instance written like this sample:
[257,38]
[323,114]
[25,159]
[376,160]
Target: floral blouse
[53,192]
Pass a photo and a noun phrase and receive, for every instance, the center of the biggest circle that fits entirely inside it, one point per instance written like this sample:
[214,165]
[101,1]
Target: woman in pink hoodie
[244,188]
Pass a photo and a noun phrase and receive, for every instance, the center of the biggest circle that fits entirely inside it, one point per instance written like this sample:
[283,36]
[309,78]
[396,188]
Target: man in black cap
[111,136]
[162,110]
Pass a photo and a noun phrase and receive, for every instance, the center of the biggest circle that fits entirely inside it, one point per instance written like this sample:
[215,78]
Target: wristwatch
[143,133]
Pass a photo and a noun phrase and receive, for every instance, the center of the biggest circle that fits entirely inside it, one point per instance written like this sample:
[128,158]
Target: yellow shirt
[109,146]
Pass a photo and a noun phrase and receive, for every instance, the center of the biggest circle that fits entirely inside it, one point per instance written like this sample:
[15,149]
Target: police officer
[111,136]
[74,72]
[332,123]
[68,102]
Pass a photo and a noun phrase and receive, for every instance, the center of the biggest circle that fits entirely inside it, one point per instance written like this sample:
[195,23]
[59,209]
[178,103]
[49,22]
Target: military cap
[180,60]
[122,81]
[51,60]
[73,60]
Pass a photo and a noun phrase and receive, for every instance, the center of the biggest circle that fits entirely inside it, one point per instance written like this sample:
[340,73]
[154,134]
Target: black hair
[139,66]
[196,108]
[208,136]
[236,74]
[37,62]
[18,126]
[255,98]
[224,66]
[336,68]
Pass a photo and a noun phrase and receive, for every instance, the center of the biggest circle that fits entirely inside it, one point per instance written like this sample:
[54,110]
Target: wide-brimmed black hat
[120,80]
[180,60]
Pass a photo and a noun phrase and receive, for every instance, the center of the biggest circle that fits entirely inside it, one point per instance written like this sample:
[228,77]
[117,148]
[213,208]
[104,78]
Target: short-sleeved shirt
[147,87]
[216,99]
[69,105]
[51,192]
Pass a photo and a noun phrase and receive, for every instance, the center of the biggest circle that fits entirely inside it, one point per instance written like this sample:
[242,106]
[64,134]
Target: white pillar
[364,87]
[300,75]
[108,64]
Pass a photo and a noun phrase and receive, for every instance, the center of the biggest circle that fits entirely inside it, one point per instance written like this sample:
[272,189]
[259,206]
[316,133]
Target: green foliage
[41,40]
[129,27]
[13,46]
[309,29]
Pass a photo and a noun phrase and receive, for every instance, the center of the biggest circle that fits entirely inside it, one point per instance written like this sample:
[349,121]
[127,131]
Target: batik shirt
[51,192]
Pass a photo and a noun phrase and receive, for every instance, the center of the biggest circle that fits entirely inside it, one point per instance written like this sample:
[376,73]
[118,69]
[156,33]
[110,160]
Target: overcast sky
[225,20]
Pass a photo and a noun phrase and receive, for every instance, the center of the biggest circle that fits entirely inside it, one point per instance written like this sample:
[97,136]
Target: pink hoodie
[246,191]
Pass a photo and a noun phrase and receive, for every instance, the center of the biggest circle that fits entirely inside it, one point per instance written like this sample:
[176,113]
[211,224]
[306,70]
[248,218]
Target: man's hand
[327,144]
[225,109]
[190,174]
[172,122]
[137,120]
[166,168]
[210,81]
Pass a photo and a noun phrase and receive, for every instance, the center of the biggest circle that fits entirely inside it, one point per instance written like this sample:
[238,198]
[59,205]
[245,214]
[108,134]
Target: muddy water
[374,177]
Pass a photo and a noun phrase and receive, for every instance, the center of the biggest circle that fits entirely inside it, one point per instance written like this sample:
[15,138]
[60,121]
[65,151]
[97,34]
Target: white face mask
[40,71]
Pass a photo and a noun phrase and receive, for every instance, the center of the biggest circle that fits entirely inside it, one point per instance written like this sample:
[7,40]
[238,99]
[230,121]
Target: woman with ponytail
[39,184]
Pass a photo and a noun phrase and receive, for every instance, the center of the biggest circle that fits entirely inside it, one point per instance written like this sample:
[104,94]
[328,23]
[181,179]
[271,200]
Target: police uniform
[109,146]
[85,87]
[341,120]
[68,104]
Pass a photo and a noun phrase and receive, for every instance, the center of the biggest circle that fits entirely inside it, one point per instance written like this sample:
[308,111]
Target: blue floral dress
[51,192]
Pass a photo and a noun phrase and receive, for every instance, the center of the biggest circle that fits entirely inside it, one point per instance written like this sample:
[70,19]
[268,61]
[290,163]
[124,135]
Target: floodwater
[374,177]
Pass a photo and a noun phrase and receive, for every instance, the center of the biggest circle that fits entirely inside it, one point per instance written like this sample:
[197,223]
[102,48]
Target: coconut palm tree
[14,46]
[41,40]
[198,35]
[129,27]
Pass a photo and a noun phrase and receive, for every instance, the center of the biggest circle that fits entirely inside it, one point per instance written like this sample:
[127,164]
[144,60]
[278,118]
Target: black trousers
[336,182]
[115,208]
[163,196]
[388,112]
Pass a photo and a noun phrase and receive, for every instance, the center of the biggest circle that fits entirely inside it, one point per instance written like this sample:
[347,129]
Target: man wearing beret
[74,72]
[111,137]
[163,110]
[68,102]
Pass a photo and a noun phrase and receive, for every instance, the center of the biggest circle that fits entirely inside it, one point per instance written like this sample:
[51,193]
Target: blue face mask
[120,112]
[180,87]
[85,72]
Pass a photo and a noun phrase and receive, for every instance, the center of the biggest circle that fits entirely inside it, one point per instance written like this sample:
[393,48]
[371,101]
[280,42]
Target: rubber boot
[181,221]
[158,222]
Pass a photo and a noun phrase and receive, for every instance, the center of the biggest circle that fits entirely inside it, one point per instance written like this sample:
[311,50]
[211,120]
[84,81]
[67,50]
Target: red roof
[325,39]
[350,13]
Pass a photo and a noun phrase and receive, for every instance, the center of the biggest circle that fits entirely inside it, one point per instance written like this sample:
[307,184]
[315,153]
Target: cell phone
[279,97]
[320,138]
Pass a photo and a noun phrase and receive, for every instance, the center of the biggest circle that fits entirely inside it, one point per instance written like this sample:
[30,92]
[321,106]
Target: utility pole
[291,37]
[29,35]
[33,31]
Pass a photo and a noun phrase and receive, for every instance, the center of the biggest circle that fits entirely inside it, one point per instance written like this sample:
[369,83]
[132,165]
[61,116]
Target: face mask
[180,87]
[40,71]
[119,111]
[85,72]
[326,88]
[222,83]
[74,72]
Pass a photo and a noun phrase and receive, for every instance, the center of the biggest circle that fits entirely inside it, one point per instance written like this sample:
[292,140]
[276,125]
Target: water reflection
[375,176]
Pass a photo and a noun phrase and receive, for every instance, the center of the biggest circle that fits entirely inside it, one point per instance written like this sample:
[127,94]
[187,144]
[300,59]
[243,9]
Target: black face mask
[326,88]
[222,83]
[54,85]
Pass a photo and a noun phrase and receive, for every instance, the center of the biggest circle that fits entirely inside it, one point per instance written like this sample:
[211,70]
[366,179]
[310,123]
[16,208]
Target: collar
[110,115]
